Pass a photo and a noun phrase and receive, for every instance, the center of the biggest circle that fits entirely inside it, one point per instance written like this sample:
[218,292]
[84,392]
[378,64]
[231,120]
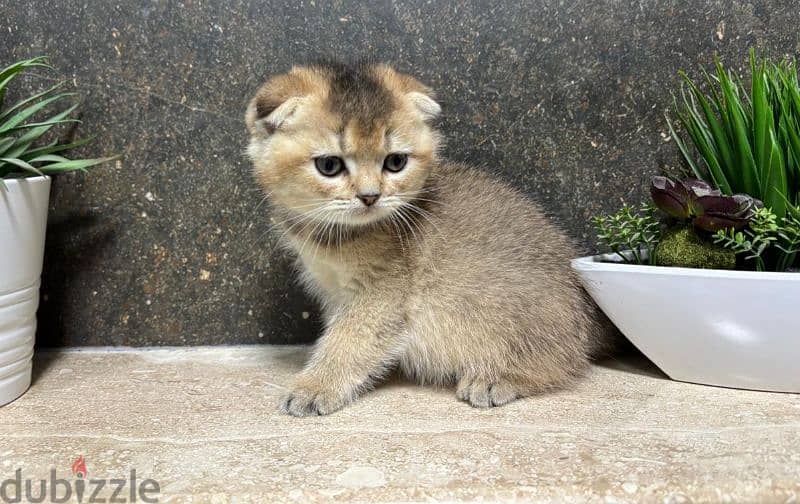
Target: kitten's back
[492,257]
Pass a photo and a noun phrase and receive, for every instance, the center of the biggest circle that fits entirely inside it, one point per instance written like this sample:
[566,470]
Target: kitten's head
[347,145]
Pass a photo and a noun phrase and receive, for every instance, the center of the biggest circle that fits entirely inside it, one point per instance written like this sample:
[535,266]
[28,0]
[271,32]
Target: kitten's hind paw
[482,393]
[307,401]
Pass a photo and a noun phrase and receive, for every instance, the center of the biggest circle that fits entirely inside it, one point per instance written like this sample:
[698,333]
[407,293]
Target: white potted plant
[711,293]
[29,154]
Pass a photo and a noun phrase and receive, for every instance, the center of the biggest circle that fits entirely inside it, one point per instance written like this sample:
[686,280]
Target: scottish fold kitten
[418,263]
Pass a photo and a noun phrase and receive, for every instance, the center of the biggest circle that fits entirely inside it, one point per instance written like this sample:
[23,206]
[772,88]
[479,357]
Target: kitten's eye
[330,166]
[395,162]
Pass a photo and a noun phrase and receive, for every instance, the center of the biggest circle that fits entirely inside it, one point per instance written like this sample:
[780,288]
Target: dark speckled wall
[170,246]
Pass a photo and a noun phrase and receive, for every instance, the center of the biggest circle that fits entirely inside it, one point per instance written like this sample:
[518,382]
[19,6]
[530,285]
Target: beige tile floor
[202,423]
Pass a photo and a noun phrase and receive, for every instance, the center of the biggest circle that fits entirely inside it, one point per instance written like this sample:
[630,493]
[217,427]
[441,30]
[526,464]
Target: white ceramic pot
[23,221]
[736,329]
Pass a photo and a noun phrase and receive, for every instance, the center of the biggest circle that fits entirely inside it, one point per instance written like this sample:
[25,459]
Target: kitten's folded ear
[277,101]
[426,105]
[416,93]
[264,117]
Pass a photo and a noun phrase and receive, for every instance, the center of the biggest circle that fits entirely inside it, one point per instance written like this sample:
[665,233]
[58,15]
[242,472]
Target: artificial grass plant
[746,141]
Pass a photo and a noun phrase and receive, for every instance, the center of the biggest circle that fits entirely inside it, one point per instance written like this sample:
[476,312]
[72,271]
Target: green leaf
[21,164]
[775,178]
[49,158]
[684,151]
[703,145]
[762,116]
[33,98]
[5,144]
[74,164]
[43,123]
[737,129]
[11,71]
[24,142]
[54,146]
[717,137]
[19,66]
[15,121]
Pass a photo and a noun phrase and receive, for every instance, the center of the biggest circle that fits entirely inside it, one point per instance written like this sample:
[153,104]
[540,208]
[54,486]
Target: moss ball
[683,247]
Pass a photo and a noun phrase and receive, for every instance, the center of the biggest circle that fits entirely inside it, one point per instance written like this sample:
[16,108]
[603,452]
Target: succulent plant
[699,202]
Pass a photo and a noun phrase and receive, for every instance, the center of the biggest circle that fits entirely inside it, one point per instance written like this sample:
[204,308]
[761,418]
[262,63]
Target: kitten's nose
[369,199]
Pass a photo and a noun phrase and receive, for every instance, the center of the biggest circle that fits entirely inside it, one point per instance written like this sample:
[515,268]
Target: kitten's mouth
[348,214]
[367,215]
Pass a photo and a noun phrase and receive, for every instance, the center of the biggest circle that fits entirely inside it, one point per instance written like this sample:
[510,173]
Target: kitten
[431,266]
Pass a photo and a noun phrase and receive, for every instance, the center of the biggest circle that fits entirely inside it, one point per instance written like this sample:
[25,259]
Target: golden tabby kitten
[431,266]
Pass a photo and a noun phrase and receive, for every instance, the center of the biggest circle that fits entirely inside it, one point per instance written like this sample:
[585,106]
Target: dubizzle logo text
[81,488]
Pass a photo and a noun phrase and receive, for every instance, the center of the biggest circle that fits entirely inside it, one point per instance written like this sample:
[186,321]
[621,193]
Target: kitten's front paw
[482,393]
[305,400]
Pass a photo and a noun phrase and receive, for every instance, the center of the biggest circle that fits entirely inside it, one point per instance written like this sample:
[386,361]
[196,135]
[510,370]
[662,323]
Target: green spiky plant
[630,234]
[764,232]
[745,141]
[23,129]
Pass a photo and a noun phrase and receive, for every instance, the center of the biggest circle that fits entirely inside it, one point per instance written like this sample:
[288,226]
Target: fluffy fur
[451,275]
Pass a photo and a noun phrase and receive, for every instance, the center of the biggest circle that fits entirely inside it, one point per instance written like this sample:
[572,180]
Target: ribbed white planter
[23,221]
[735,329]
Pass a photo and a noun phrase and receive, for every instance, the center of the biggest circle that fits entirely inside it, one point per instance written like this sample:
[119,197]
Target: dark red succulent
[697,201]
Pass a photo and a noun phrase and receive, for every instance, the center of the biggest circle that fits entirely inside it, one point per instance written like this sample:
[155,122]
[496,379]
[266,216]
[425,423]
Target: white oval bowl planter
[737,329]
[23,222]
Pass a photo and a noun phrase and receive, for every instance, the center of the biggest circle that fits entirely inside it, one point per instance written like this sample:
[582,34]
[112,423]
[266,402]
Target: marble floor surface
[200,425]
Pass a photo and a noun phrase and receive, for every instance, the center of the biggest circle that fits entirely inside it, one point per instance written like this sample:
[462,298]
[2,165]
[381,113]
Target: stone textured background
[169,246]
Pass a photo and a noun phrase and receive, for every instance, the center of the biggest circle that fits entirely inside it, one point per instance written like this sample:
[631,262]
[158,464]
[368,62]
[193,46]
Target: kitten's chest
[330,277]
[337,275]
